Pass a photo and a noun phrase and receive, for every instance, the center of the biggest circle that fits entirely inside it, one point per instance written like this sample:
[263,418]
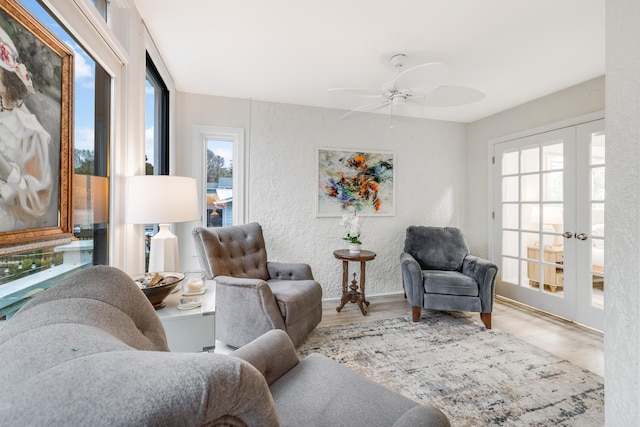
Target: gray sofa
[91,351]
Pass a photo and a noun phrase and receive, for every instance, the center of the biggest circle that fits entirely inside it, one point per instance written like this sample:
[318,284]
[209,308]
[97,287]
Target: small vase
[354,248]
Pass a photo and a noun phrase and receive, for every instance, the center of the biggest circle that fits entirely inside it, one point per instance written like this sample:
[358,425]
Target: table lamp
[162,199]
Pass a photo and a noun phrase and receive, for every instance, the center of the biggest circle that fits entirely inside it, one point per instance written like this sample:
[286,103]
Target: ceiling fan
[422,85]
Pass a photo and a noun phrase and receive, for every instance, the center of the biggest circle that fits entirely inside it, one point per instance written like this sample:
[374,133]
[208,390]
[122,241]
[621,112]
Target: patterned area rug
[478,377]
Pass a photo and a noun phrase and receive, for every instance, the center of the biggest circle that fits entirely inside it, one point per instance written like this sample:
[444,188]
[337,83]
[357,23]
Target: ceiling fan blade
[367,93]
[421,78]
[367,108]
[449,96]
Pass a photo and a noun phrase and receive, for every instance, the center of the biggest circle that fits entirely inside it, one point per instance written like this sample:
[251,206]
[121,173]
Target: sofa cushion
[320,392]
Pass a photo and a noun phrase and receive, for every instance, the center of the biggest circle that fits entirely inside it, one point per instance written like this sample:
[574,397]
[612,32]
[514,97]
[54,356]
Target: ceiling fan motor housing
[399,98]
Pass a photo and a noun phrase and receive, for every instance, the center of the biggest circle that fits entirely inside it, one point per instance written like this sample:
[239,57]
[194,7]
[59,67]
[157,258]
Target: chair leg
[416,311]
[486,319]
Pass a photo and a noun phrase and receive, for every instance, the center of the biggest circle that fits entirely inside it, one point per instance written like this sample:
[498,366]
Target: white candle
[195,285]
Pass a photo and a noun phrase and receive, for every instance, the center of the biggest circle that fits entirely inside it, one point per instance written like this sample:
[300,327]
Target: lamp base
[163,254]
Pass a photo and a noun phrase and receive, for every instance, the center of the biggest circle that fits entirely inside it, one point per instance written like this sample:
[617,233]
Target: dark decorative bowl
[157,293]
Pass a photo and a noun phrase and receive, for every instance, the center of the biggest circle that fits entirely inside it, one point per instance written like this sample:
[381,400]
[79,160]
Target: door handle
[567,234]
[581,236]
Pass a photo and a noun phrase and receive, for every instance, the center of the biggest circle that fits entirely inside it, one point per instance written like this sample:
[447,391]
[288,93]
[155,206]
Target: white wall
[282,141]
[575,101]
[622,263]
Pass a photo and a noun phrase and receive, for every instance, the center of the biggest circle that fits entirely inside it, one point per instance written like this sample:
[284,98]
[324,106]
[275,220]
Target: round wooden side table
[351,293]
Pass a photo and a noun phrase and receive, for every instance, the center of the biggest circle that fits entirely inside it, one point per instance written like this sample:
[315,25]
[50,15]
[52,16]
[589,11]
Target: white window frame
[235,135]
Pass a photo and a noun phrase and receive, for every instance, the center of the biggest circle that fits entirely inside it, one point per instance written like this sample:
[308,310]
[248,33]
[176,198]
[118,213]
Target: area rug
[478,377]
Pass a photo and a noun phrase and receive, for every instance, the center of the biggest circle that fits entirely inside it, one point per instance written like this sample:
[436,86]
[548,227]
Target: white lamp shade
[161,199]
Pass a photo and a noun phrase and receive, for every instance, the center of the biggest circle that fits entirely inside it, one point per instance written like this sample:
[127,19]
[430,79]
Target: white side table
[191,330]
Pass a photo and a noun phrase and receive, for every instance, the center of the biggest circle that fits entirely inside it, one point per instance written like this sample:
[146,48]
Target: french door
[549,221]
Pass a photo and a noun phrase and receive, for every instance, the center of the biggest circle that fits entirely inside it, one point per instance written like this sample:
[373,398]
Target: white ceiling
[292,51]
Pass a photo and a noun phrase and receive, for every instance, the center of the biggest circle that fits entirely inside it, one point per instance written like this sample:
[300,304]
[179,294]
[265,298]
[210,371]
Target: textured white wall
[281,149]
[622,263]
[429,173]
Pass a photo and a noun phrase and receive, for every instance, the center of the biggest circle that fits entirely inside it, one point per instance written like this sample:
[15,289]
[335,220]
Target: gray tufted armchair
[438,273]
[254,296]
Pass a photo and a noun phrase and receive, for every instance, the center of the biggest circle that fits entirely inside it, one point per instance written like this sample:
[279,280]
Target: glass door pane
[531,215]
[597,160]
[590,231]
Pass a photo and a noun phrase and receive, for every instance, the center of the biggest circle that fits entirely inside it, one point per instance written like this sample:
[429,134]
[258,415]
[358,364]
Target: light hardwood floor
[579,345]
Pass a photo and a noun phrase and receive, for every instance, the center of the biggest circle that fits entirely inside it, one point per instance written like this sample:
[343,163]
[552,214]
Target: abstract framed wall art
[355,181]
[35,130]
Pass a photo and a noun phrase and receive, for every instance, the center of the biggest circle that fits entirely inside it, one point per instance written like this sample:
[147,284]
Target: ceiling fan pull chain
[391,117]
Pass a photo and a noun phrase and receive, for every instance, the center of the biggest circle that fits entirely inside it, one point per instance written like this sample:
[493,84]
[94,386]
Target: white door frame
[493,246]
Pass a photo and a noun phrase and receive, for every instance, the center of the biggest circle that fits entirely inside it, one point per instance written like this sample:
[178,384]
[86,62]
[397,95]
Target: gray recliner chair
[254,296]
[438,273]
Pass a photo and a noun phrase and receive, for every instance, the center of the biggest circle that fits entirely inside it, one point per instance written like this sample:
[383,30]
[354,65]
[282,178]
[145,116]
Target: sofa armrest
[272,353]
[412,279]
[423,416]
[484,272]
[289,271]
[121,387]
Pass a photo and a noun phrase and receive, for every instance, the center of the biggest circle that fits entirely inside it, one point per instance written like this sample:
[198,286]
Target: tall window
[156,135]
[22,275]
[223,175]
[219,182]
[156,122]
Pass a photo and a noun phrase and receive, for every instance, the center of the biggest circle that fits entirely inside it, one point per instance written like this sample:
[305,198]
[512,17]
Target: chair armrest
[245,308]
[484,272]
[241,282]
[289,271]
[423,416]
[412,279]
[272,353]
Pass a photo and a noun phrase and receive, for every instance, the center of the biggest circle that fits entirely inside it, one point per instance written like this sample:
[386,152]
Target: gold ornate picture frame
[36,150]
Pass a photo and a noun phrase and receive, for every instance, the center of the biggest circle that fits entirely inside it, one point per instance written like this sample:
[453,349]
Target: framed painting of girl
[35,130]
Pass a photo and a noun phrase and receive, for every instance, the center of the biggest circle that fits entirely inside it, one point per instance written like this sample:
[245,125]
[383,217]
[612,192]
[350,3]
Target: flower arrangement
[351,222]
